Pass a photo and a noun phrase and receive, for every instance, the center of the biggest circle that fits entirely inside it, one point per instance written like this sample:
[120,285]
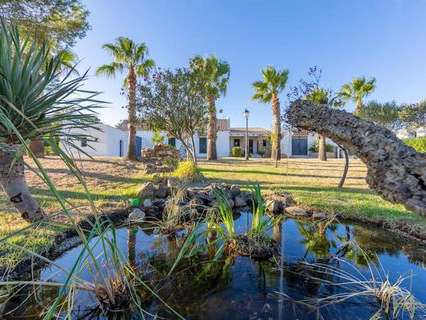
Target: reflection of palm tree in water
[131,246]
[315,238]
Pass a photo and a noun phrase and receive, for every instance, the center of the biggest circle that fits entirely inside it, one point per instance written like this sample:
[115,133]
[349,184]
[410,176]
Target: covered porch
[258,141]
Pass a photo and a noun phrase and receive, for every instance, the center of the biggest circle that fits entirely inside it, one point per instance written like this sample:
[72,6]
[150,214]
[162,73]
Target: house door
[121,148]
[250,146]
[138,149]
[299,146]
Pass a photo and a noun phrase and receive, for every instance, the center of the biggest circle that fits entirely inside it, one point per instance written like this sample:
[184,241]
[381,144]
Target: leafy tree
[384,114]
[132,58]
[36,99]
[413,116]
[157,138]
[357,90]
[267,90]
[172,102]
[60,22]
[213,75]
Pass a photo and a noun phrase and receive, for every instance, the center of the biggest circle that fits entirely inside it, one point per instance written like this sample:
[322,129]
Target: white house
[112,142]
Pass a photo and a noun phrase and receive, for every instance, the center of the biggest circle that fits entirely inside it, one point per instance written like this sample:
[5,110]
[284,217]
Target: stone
[297,212]
[276,203]
[395,170]
[162,191]
[147,203]
[240,201]
[235,190]
[147,191]
[136,215]
[319,215]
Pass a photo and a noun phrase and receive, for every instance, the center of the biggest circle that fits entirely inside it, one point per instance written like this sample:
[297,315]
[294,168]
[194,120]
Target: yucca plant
[37,99]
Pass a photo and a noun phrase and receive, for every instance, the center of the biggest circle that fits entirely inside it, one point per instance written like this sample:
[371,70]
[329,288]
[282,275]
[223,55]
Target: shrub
[187,171]
[419,143]
[157,138]
[237,152]
[315,147]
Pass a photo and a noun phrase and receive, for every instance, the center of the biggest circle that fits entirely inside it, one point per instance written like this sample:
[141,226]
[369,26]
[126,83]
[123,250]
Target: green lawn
[113,181]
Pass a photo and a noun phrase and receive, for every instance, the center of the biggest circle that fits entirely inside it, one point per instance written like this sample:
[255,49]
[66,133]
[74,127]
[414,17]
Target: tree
[395,170]
[36,99]
[413,116]
[320,96]
[129,57]
[384,114]
[172,102]
[213,76]
[357,90]
[59,22]
[267,90]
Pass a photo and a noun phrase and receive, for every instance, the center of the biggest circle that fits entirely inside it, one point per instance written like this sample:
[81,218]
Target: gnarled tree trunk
[212,131]
[12,180]
[396,171]
[276,129]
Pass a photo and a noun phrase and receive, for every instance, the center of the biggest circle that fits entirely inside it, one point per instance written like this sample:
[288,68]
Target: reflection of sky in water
[250,289]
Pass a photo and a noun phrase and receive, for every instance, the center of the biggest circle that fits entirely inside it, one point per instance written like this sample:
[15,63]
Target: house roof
[251,131]
[222,125]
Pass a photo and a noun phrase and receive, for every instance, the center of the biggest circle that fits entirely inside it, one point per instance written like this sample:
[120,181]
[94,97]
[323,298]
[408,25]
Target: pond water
[241,288]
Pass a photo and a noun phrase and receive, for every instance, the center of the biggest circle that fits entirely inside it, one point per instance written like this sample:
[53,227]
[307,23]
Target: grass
[113,181]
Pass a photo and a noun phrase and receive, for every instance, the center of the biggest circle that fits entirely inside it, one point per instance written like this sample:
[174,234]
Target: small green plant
[157,138]
[187,171]
[260,222]
[315,147]
[237,152]
[419,143]
[225,214]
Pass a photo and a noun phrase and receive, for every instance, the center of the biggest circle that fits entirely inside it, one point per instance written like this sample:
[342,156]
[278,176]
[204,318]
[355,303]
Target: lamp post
[246,115]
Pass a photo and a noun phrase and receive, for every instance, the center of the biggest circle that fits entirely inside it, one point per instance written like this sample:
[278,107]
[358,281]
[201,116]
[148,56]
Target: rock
[160,203]
[235,190]
[136,215]
[319,215]
[231,203]
[240,201]
[162,191]
[147,191]
[297,212]
[147,203]
[276,203]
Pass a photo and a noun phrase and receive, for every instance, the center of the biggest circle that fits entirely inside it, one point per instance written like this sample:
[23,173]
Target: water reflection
[209,286]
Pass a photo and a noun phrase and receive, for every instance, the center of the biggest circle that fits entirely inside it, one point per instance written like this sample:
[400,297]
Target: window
[203,145]
[172,142]
[83,142]
[236,142]
[264,142]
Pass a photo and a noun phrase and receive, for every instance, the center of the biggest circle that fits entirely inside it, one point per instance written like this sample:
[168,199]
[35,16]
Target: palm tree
[320,96]
[357,90]
[213,75]
[37,99]
[267,91]
[129,57]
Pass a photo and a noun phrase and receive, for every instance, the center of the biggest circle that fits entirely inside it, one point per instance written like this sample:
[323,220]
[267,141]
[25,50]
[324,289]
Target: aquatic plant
[226,215]
[260,222]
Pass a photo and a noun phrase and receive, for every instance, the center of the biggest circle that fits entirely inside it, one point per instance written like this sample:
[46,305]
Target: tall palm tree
[129,57]
[320,96]
[37,99]
[267,91]
[213,75]
[357,90]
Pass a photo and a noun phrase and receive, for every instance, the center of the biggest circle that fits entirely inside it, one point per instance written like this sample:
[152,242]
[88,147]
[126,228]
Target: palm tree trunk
[37,147]
[12,180]
[131,151]
[276,129]
[211,131]
[322,149]
[358,107]
[345,170]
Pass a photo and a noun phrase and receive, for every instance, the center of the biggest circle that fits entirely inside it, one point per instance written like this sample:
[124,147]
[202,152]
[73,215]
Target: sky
[385,39]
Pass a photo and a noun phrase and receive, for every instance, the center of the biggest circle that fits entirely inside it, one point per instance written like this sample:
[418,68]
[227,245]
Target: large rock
[147,191]
[276,203]
[395,171]
[240,201]
[136,215]
[297,212]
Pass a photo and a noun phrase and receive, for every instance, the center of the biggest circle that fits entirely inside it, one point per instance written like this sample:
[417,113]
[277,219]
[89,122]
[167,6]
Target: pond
[315,258]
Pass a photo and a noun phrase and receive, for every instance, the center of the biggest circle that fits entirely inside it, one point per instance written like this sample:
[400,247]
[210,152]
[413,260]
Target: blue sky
[346,38]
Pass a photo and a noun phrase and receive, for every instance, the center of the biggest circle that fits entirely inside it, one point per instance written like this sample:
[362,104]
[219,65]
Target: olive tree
[171,101]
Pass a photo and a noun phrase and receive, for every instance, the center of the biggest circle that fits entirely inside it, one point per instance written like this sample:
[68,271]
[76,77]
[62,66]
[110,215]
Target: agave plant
[37,99]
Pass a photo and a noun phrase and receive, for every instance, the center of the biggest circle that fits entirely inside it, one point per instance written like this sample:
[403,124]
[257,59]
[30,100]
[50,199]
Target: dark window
[203,145]
[84,142]
[236,142]
[172,142]
[264,142]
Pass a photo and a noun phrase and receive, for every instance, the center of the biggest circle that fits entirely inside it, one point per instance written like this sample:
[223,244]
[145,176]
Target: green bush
[315,147]
[419,143]
[237,152]
[187,171]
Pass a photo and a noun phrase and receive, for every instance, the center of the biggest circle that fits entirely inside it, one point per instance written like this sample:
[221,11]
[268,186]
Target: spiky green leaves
[358,89]
[272,83]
